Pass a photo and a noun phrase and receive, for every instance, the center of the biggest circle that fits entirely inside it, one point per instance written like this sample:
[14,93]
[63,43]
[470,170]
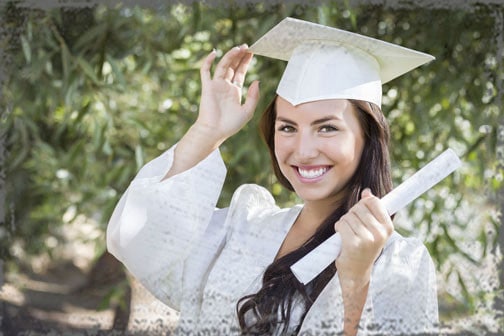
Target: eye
[286,129]
[327,129]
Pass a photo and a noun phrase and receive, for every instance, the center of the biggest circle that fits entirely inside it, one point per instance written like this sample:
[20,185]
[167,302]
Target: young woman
[228,270]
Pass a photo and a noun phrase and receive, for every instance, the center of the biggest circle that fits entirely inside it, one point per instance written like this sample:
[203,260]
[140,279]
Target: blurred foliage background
[92,93]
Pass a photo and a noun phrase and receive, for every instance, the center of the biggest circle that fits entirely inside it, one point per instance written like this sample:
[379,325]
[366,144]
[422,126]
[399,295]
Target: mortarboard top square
[330,63]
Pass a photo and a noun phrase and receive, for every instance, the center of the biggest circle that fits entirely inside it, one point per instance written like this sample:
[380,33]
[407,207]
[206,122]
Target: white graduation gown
[200,260]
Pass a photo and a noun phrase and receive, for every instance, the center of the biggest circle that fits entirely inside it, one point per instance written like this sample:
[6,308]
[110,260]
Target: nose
[306,148]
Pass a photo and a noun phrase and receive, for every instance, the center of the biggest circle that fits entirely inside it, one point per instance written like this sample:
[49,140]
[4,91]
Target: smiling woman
[369,130]
[318,147]
[228,270]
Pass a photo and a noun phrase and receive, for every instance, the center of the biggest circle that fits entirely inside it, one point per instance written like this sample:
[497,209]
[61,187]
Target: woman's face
[318,146]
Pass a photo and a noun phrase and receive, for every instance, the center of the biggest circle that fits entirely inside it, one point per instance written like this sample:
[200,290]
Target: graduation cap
[330,63]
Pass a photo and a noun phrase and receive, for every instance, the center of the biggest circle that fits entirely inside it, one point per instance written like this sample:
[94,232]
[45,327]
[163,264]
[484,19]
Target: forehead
[338,108]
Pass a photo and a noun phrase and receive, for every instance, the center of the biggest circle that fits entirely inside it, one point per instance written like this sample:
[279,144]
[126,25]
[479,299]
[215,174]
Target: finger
[252,98]
[207,64]
[376,206]
[358,227]
[223,70]
[344,229]
[238,67]
[242,53]
[242,67]
[366,218]
[376,211]
[366,193]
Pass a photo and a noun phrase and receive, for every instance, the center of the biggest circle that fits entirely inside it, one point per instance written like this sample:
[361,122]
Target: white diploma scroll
[317,260]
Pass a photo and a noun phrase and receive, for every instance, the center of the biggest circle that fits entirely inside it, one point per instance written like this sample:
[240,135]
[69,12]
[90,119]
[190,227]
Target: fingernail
[366,191]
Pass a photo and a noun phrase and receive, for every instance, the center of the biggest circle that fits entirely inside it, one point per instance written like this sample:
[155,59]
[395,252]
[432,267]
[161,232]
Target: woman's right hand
[221,112]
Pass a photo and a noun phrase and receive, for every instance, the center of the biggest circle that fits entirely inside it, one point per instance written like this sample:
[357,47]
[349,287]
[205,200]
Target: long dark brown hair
[270,308]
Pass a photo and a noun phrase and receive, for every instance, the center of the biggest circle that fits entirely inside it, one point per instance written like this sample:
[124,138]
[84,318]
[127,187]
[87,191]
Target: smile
[312,173]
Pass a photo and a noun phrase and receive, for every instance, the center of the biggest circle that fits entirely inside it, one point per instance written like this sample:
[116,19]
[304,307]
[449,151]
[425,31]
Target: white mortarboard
[329,63]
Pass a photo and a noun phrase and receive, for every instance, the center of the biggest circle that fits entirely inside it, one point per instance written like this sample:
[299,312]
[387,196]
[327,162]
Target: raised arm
[168,212]
[221,113]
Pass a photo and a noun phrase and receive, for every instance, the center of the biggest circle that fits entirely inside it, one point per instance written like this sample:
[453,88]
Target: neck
[315,212]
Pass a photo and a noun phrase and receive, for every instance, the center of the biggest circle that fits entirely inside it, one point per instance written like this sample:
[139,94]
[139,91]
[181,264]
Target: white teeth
[313,173]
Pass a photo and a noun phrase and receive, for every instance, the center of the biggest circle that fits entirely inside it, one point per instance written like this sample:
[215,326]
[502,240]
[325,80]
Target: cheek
[348,150]
[359,148]
[280,148]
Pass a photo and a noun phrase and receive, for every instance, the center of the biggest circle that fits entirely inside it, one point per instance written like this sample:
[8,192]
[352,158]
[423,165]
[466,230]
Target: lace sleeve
[157,224]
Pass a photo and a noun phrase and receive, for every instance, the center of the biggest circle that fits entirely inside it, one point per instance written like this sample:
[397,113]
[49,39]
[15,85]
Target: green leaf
[139,156]
[26,49]
[92,37]
[118,74]
[88,70]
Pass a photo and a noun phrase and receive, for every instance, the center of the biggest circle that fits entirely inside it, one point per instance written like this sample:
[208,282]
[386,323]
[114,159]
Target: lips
[311,173]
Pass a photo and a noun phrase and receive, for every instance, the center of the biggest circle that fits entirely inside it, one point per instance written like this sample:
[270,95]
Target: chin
[316,194]
[312,196]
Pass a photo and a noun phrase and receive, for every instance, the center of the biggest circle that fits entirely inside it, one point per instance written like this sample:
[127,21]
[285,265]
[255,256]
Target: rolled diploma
[317,260]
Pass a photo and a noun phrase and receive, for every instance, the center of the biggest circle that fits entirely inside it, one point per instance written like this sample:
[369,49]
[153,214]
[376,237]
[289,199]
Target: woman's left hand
[364,231]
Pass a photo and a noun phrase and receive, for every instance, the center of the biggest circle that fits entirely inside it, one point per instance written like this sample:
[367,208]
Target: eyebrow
[315,122]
